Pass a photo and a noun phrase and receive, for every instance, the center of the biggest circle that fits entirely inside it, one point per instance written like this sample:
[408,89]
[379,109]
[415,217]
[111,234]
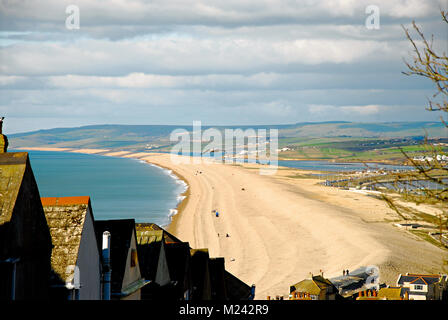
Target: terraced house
[25,241]
[75,259]
[424,286]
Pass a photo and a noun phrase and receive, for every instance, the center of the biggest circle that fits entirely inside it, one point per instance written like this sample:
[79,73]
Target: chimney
[3,138]
[107,271]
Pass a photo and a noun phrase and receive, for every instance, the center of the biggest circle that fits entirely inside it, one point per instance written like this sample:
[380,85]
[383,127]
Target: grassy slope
[328,140]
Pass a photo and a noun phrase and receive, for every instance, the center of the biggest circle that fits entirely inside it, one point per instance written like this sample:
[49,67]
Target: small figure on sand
[343,272]
[227,235]
[217,214]
[346,272]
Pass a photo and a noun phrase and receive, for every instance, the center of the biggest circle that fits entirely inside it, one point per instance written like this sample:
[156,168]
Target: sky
[233,62]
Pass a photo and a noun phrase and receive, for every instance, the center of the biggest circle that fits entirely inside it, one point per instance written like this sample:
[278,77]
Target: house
[424,286]
[3,138]
[201,284]
[75,259]
[181,273]
[126,278]
[393,293]
[237,289]
[166,261]
[314,288]
[384,293]
[25,249]
[218,279]
[180,269]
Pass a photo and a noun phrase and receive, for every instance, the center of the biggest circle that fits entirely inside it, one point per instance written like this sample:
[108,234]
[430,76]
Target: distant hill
[139,137]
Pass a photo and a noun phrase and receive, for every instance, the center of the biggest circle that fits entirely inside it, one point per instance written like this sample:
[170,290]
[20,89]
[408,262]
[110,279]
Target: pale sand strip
[282,228]
[137,155]
[90,151]
[117,154]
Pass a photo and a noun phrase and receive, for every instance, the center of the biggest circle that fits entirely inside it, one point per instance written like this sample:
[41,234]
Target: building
[218,279]
[424,286]
[201,283]
[25,240]
[126,278]
[3,138]
[75,259]
[385,293]
[393,293]
[166,261]
[181,273]
[314,288]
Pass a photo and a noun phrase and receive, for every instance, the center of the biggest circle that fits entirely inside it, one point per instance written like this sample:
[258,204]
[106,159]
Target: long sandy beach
[284,226]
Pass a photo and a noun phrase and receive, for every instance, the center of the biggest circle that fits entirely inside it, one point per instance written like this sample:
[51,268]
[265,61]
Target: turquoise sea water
[119,188]
[128,188]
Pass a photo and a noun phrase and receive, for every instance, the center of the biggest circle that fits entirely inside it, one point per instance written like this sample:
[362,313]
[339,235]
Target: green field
[325,140]
[353,149]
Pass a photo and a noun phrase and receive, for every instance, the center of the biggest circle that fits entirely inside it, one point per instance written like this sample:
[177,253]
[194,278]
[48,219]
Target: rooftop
[65,218]
[419,278]
[145,230]
[12,170]
[312,286]
[121,231]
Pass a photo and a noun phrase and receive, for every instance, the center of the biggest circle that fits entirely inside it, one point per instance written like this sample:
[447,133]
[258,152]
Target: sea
[119,188]
[123,188]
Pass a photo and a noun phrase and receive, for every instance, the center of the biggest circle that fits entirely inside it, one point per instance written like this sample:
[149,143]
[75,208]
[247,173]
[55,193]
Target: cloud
[187,56]
[253,61]
[347,110]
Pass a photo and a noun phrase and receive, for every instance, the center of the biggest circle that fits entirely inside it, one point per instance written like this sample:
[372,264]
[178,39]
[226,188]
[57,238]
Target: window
[418,287]
[134,258]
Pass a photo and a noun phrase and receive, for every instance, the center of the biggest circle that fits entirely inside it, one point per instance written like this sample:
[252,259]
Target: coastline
[282,227]
[172,225]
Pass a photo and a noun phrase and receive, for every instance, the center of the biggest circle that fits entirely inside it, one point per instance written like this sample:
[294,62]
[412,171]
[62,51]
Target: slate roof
[178,259]
[391,293]
[149,245]
[424,279]
[312,286]
[65,218]
[217,278]
[235,288]
[200,274]
[12,170]
[120,243]
[145,229]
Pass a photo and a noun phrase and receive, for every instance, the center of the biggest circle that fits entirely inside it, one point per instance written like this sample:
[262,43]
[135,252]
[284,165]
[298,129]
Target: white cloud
[347,110]
[174,61]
